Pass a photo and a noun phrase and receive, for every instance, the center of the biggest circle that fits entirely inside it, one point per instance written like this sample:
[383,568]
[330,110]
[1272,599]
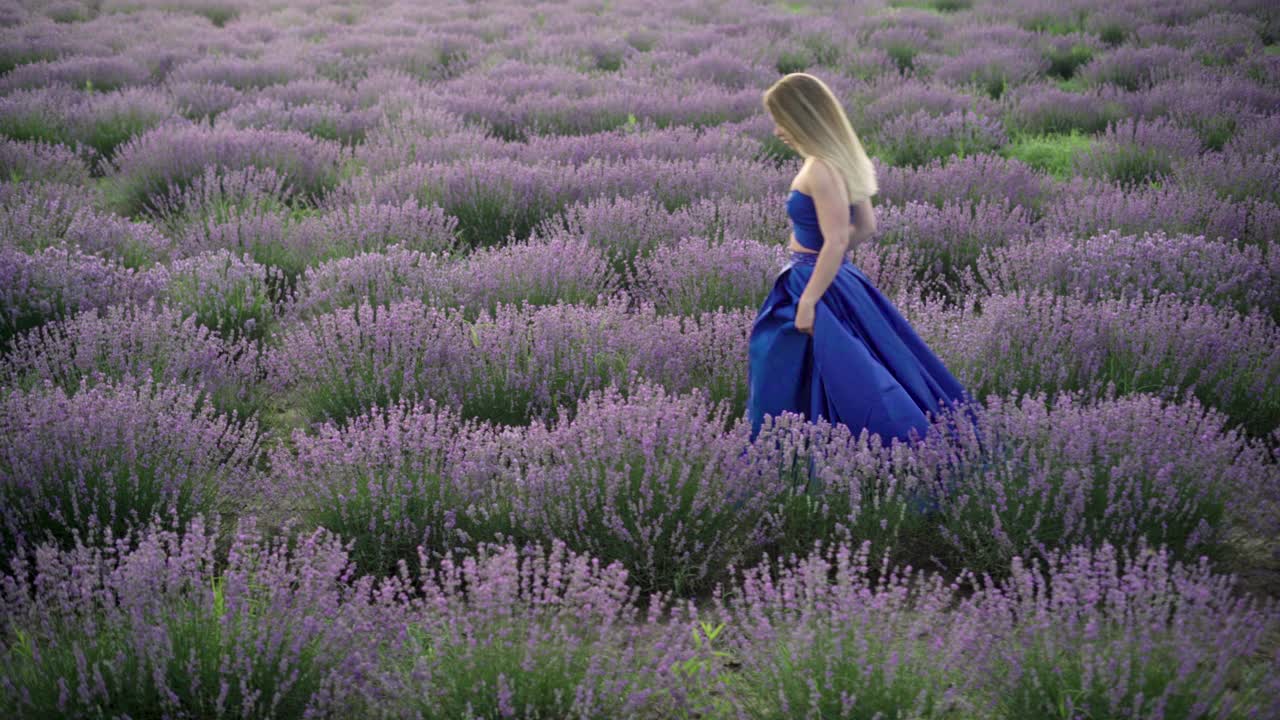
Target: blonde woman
[826,342]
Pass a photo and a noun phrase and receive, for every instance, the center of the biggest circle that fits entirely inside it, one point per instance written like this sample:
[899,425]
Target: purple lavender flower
[137,340]
[227,293]
[171,620]
[645,481]
[1135,151]
[915,139]
[693,275]
[1033,340]
[1115,264]
[107,458]
[34,161]
[57,282]
[176,153]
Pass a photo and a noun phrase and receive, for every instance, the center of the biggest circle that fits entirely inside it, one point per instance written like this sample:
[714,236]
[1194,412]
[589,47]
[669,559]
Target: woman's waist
[800,257]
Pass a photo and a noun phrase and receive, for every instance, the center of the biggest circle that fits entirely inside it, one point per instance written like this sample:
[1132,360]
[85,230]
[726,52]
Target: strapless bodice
[804,219]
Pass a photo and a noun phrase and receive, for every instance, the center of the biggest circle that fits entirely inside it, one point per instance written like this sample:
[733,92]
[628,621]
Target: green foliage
[706,664]
[390,514]
[791,61]
[541,658]
[891,674]
[1073,84]
[1063,62]
[903,55]
[1128,164]
[938,6]
[1055,24]
[1113,34]
[1057,680]
[1053,153]
[241,308]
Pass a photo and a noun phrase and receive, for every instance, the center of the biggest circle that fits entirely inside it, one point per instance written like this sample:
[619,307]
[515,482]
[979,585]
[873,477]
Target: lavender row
[648,73]
[674,488]
[1225,274]
[509,363]
[1032,339]
[668,484]
[947,215]
[944,243]
[135,340]
[536,358]
[287,628]
[712,253]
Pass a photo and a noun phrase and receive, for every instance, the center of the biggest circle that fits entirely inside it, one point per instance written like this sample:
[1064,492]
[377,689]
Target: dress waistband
[804,258]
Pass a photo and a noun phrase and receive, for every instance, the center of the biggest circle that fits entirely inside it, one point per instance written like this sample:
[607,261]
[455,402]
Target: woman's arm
[833,219]
[865,225]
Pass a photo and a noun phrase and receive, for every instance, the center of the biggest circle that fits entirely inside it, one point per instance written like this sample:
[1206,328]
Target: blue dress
[864,365]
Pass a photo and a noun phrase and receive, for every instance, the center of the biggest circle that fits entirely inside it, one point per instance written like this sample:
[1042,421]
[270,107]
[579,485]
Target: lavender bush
[1089,208]
[175,153]
[53,218]
[1036,108]
[1114,264]
[537,362]
[919,138]
[543,632]
[369,278]
[944,242]
[397,481]
[58,114]
[533,272]
[822,636]
[132,244]
[1137,151]
[1098,631]
[628,229]
[1050,473]
[229,294]
[41,161]
[993,69]
[974,178]
[217,195]
[345,362]
[344,230]
[111,456]
[134,340]
[653,482]
[829,484]
[694,275]
[154,622]
[508,366]
[1233,174]
[57,282]
[1091,630]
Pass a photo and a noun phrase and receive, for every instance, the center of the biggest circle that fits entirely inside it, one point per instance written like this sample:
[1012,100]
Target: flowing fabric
[864,365]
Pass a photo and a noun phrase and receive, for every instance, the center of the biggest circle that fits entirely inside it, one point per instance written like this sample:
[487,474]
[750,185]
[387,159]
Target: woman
[826,342]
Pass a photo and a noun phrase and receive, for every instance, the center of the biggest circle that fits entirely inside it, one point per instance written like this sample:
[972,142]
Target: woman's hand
[804,316]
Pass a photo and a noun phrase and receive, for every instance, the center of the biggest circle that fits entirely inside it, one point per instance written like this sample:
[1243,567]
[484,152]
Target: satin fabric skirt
[864,365]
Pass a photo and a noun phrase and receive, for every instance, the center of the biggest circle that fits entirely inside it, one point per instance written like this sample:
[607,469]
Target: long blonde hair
[809,112]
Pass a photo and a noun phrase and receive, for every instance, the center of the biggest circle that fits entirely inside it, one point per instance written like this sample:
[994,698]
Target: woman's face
[782,135]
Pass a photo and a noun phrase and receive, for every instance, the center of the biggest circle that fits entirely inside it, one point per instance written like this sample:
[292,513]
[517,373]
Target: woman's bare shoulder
[817,177]
[812,176]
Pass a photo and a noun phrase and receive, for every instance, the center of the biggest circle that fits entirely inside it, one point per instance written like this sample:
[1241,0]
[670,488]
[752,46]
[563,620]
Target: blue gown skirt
[864,365]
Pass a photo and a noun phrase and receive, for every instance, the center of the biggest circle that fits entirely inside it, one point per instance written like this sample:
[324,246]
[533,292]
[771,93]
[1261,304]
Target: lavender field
[389,360]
